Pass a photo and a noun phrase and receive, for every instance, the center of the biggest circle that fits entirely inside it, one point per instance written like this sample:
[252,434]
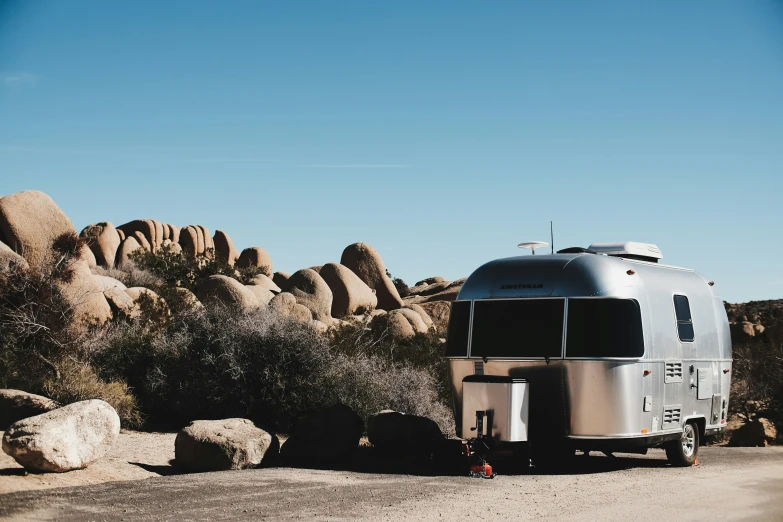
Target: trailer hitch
[477,448]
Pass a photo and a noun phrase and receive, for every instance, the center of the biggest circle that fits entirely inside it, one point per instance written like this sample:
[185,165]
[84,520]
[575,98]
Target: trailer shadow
[452,463]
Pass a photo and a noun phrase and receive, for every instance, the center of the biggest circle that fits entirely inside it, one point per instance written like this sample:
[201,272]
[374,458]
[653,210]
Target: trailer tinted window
[682,309]
[604,328]
[459,325]
[517,328]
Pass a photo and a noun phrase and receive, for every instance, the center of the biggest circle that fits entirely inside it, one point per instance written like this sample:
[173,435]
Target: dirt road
[729,484]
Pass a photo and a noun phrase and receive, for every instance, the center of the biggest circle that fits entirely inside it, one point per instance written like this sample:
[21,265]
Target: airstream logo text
[521,286]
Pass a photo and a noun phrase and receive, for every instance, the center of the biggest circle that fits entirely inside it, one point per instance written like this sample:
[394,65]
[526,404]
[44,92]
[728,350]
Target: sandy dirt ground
[134,456]
[729,484]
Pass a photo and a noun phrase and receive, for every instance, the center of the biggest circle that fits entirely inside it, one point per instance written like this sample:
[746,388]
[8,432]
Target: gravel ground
[729,484]
[135,456]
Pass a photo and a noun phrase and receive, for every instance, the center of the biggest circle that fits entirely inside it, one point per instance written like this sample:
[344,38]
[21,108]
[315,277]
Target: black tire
[684,452]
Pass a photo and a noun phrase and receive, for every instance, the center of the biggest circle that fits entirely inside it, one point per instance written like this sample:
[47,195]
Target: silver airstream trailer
[590,349]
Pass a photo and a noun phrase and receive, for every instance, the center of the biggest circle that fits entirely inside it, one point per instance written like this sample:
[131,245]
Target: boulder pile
[324,296]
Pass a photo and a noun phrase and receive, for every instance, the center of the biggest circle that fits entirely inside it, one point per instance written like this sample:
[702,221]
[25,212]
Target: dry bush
[423,351]
[216,364]
[39,349]
[132,277]
[222,363]
[370,384]
[78,382]
[757,383]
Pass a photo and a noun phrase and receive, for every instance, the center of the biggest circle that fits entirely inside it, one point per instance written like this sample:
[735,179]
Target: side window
[684,322]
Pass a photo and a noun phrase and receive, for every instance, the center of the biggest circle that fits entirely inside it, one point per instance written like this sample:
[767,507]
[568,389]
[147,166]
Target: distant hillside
[756,319]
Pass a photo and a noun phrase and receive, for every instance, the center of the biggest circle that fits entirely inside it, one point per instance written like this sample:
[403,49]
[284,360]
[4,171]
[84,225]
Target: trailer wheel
[685,451]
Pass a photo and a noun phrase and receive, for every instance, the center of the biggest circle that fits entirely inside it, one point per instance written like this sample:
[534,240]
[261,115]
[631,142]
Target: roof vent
[629,250]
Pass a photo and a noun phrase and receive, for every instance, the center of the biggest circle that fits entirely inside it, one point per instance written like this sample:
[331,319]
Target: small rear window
[682,309]
[604,328]
[459,326]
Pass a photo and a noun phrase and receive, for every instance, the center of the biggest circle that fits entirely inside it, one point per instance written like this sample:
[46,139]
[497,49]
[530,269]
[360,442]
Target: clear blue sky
[442,133]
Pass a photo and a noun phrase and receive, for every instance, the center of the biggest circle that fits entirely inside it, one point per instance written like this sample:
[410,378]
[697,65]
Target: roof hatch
[629,250]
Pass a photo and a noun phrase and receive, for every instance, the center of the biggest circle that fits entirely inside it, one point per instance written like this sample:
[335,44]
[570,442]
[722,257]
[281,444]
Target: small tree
[399,284]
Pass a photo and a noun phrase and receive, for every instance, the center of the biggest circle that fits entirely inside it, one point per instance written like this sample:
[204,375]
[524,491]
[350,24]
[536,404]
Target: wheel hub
[688,440]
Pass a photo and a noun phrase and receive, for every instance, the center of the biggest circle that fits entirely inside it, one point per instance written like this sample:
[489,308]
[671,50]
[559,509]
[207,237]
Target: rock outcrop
[218,445]
[312,292]
[30,222]
[366,263]
[264,281]
[285,304]
[10,259]
[415,320]
[350,295]
[430,281]
[88,304]
[68,438]
[256,257]
[103,240]
[422,313]
[439,312]
[263,295]
[227,290]
[123,258]
[190,242]
[399,326]
[16,405]
[224,248]
[146,232]
[279,278]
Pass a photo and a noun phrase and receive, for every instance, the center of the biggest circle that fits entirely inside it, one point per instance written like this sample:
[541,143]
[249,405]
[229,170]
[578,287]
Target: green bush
[181,270]
[216,364]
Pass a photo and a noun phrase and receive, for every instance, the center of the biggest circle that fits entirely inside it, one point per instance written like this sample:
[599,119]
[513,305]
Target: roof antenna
[552,236]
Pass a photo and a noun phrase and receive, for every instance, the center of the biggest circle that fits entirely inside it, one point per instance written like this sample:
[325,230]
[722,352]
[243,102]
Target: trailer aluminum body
[619,353]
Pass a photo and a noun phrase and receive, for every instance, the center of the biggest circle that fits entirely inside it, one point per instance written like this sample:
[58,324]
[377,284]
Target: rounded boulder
[367,263]
[311,291]
[219,445]
[226,290]
[30,222]
[350,295]
[255,257]
[64,439]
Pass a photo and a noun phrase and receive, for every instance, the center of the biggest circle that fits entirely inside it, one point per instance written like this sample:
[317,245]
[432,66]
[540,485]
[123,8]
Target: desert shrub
[422,352]
[35,318]
[399,284]
[78,382]
[757,381]
[369,384]
[221,363]
[217,364]
[39,347]
[132,276]
[179,269]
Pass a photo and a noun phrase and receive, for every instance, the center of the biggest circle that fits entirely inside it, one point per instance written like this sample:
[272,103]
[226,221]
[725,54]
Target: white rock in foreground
[68,438]
[216,445]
